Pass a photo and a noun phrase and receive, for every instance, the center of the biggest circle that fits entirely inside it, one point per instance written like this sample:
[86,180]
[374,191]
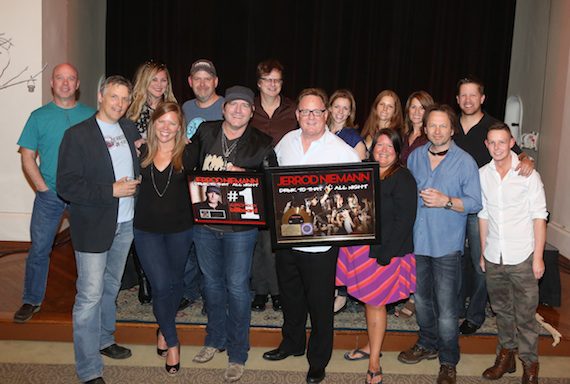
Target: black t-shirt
[172,212]
[215,160]
[474,141]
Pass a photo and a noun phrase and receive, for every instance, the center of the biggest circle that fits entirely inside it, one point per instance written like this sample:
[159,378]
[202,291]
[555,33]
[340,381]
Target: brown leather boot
[530,373]
[505,362]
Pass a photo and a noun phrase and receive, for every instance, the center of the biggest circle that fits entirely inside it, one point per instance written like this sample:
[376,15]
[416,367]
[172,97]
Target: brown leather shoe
[416,354]
[447,374]
[505,362]
[530,373]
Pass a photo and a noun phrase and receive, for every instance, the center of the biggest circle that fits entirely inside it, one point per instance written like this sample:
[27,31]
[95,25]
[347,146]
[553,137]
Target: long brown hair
[425,100]
[179,141]
[396,122]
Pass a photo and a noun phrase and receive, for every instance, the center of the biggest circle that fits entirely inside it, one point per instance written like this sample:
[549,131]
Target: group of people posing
[121,171]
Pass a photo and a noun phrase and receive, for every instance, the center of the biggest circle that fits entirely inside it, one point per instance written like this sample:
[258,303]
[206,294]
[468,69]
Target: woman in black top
[163,221]
[381,274]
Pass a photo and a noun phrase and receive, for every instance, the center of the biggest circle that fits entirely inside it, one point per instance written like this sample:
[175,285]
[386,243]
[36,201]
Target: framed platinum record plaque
[323,205]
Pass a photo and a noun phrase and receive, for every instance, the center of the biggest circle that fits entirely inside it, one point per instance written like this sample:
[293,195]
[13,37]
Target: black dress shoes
[184,303]
[468,328]
[97,380]
[25,313]
[258,303]
[115,351]
[315,376]
[276,302]
[278,354]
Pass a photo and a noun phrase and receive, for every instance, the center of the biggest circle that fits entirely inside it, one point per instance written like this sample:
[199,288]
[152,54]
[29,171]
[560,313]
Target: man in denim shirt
[449,190]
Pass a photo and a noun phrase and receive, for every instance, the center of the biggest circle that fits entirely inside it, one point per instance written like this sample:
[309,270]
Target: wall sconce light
[31,85]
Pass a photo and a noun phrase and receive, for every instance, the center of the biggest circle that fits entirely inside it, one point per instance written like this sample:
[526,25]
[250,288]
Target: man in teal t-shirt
[42,136]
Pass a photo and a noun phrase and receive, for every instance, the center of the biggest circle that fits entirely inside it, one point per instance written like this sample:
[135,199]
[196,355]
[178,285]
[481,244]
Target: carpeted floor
[129,309]
[62,374]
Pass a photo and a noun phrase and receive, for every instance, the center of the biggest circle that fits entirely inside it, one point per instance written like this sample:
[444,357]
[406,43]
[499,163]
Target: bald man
[42,136]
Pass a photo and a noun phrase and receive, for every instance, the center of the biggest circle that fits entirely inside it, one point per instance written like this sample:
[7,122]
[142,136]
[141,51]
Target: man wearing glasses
[306,275]
[274,115]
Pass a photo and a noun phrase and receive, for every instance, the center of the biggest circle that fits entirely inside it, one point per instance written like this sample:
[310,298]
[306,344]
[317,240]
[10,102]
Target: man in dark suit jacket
[98,175]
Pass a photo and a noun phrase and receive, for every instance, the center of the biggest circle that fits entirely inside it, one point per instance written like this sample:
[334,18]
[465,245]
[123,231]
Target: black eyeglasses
[271,81]
[315,112]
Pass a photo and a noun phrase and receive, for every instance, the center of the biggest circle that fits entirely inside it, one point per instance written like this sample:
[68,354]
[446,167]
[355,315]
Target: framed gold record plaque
[323,205]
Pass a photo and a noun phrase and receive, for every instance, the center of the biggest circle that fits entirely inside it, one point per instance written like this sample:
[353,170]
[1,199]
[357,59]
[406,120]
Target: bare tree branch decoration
[5,61]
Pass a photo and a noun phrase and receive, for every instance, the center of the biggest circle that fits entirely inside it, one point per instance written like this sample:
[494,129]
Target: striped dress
[372,283]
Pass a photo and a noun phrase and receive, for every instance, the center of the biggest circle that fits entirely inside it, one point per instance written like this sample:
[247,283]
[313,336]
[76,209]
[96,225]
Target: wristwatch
[449,204]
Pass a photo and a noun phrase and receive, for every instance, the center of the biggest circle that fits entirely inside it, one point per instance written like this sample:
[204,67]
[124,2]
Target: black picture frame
[242,197]
[300,212]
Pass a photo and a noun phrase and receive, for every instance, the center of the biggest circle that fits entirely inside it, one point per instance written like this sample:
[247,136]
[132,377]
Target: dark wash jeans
[437,312]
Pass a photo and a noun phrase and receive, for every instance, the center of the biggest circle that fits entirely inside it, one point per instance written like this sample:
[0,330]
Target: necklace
[442,153]
[227,150]
[154,183]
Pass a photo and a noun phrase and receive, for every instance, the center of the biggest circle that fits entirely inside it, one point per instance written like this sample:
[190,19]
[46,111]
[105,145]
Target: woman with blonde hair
[152,85]
[342,112]
[386,112]
[163,221]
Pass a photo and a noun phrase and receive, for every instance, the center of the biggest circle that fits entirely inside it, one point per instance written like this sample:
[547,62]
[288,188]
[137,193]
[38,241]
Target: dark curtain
[363,45]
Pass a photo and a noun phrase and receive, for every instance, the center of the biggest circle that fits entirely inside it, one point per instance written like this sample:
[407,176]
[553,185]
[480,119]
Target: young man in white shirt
[513,233]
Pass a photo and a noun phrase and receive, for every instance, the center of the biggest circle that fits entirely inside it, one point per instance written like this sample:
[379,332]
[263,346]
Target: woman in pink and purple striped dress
[381,274]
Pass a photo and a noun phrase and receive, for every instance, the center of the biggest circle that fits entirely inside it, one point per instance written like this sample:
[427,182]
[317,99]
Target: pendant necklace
[154,183]
[227,150]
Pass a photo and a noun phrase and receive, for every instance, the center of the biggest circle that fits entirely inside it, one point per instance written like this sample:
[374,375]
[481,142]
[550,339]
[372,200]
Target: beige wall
[540,74]
[555,134]
[21,23]
[528,59]
[42,31]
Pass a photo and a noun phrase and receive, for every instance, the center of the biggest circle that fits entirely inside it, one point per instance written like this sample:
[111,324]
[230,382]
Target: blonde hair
[143,77]
[179,141]
[396,122]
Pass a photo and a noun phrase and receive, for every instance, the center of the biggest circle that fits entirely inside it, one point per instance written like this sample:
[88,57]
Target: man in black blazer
[98,175]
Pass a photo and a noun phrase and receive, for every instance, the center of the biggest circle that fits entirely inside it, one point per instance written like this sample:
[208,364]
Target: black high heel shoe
[173,369]
[160,352]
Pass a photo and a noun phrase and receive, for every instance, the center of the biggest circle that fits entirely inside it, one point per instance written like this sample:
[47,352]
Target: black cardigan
[397,216]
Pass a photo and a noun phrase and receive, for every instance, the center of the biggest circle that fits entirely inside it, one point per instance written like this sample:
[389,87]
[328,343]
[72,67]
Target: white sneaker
[234,372]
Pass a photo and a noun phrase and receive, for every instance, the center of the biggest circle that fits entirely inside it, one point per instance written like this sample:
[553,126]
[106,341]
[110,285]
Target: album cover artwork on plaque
[323,205]
[227,198]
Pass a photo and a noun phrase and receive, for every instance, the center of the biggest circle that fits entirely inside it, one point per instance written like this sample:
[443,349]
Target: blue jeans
[192,276]
[46,218]
[163,257]
[437,313]
[225,260]
[475,313]
[98,282]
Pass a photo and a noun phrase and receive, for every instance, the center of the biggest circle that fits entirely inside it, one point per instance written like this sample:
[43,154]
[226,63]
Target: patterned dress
[389,274]
[372,283]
